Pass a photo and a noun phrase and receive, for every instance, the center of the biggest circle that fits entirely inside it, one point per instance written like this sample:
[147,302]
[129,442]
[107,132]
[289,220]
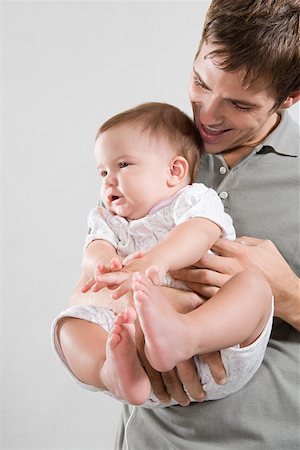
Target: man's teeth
[213,130]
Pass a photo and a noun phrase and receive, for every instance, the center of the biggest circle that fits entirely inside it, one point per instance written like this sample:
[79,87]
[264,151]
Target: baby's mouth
[113,198]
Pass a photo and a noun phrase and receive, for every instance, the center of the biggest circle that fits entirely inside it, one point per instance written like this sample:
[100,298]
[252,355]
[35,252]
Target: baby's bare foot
[122,372]
[165,332]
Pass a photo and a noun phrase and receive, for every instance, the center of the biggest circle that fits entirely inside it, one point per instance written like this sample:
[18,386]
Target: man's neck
[234,156]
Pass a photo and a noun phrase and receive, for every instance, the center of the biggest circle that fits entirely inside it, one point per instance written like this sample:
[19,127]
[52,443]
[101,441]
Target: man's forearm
[288,306]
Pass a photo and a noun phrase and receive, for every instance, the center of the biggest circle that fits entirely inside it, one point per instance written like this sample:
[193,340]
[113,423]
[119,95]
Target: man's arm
[247,253]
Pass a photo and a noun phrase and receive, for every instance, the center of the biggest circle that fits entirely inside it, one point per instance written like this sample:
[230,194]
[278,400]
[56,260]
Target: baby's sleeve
[200,201]
[99,227]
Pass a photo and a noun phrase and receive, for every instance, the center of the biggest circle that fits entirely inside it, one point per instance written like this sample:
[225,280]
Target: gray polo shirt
[261,193]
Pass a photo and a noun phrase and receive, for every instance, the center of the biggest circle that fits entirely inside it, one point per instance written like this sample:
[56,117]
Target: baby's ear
[179,168]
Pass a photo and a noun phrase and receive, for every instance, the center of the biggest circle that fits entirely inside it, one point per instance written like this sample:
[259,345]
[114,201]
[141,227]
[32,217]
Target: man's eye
[123,164]
[199,82]
[240,107]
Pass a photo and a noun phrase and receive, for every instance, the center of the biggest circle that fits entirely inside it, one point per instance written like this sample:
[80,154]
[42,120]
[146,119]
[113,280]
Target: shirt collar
[283,139]
[163,203]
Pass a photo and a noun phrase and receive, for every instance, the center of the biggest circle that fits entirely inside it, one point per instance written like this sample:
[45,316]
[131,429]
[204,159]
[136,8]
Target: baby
[155,222]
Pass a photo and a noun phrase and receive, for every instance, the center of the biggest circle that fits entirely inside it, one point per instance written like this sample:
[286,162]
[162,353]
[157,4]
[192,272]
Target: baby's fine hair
[161,119]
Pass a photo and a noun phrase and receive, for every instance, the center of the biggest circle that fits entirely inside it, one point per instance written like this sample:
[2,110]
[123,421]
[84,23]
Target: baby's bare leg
[122,372]
[83,346]
[237,314]
[108,361]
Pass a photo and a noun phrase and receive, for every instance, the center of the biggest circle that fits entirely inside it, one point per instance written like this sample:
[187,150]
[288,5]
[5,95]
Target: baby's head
[145,155]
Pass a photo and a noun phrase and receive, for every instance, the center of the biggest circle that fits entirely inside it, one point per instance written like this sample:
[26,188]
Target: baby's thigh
[79,336]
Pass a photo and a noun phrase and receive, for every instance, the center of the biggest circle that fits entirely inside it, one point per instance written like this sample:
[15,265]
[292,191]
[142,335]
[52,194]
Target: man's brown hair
[261,36]
[163,120]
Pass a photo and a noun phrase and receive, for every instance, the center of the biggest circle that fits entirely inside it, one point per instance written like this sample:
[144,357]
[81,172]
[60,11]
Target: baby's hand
[93,284]
[122,280]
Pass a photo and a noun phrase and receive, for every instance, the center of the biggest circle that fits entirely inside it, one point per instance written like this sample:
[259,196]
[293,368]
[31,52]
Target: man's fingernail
[185,402]
[223,380]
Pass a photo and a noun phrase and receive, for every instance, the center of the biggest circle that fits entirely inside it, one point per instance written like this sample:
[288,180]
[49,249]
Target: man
[245,75]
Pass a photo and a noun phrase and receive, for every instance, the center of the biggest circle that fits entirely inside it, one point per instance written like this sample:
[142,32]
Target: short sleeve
[199,201]
[98,227]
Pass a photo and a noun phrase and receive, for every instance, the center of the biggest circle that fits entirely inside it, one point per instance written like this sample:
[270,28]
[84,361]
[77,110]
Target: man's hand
[170,384]
[247,253]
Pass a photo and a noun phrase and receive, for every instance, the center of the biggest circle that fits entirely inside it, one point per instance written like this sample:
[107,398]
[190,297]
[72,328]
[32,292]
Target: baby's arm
[184,244]
[97,251]
[182,247]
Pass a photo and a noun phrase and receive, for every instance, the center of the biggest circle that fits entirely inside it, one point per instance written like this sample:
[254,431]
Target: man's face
[227,114]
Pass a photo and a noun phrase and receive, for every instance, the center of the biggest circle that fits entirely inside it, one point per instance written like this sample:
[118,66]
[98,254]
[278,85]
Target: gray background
[65,68]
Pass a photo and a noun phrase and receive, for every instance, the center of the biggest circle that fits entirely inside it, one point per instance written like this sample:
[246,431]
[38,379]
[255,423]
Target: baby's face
[135,169]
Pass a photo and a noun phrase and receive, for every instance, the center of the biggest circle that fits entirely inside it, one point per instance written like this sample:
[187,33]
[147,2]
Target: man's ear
[178,170]
[293,98]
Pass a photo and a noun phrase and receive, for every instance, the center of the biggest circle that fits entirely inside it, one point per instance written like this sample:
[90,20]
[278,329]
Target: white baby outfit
[128,236]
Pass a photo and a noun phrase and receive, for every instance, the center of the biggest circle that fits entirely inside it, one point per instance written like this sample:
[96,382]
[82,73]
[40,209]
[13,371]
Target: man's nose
[211,112]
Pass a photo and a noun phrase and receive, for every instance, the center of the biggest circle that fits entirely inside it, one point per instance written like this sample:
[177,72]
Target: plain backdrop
[65,68]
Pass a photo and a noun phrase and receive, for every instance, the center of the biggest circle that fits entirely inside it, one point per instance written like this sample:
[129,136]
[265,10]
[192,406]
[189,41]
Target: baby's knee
[256,281]
[82,345]
[67,330]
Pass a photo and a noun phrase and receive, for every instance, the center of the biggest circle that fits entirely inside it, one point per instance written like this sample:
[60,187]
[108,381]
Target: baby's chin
[127,211]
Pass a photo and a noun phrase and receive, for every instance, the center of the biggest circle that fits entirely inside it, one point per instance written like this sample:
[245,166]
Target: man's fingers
[202,276]
[155,377]
[215,364]
[217,263]
[203,290]
[225,247]
[157,383]
[255,242]
[174,387]
[189,377]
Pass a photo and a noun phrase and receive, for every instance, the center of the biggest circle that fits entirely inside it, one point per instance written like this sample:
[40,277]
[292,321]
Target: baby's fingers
[112,279]
[132,256]
[88,285]
[97,286]
[122,289]
[116,264]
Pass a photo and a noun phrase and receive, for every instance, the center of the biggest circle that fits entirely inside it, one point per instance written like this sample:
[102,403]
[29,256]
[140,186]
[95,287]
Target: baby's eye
[123,164]
[103,173]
